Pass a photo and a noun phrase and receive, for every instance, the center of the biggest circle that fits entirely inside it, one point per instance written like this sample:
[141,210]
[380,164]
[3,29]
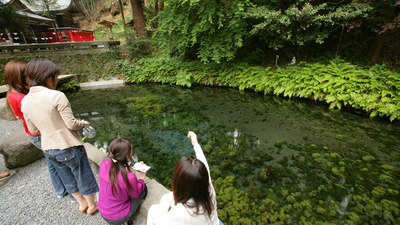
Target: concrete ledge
[61,79]
[154,190]
[102,84]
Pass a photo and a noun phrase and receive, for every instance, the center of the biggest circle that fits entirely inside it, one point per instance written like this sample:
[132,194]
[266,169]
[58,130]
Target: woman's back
[191,178]
[180,215]
[114,208]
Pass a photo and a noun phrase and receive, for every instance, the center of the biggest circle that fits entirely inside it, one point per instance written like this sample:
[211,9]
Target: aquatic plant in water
[283,182]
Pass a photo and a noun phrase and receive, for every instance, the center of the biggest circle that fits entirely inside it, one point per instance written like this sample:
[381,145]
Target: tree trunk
[161,6]
[378,41]
[138,17]
[9,36]
[122,13]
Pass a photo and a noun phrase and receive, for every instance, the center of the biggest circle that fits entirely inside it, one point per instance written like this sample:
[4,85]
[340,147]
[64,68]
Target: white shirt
[179,214]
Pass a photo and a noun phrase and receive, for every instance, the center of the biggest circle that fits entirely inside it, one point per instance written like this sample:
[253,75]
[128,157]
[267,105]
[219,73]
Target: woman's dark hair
[38,70]
[15,78]
[119,149]
[191,181]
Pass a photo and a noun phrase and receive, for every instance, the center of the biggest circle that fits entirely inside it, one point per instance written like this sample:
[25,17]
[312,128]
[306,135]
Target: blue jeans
[73,167]
[55,179]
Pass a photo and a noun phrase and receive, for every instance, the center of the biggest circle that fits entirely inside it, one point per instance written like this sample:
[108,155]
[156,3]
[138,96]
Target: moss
[254,193]
[266,173]
[392,192]
[354,218]
[207,148]
[312,193]
[290,199]
[325,147]
[386,178]
[341,163]
[316,155]
[225,164]
[344,138]
[318,160]
[378,192]
[284,193]
[335,155]
[320,210]
[245,168]
[368,158]
[313,146]
[388,168]
[335,171]
[279,143]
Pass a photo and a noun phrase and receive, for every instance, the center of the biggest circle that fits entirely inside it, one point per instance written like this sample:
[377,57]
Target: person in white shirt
[193,199]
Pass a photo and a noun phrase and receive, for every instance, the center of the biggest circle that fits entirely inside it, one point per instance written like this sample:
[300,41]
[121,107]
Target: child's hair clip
[114,160]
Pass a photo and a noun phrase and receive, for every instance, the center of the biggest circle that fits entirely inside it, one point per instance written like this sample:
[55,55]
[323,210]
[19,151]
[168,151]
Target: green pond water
[273,160]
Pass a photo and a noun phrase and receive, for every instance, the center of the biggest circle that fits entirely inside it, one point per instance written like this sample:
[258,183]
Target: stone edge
[155,189]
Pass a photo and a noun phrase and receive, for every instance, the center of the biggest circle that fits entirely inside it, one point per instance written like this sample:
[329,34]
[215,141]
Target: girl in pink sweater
[120,192]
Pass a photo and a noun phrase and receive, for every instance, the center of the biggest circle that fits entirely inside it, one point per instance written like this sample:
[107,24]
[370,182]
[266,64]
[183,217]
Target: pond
[273,160]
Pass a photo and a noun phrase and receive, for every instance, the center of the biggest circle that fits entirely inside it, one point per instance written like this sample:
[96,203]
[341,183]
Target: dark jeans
[55,179]
[135,203]
[73,167]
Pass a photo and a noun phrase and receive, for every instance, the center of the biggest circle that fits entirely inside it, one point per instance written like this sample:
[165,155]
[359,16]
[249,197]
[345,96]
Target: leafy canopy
[302,21]
[214,29]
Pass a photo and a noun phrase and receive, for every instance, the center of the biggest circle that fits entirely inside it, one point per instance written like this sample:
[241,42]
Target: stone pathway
[28,197]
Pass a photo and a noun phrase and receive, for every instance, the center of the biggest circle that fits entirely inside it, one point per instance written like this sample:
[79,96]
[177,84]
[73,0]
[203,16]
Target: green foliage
[147,107]
[10,18]
[299,22]
[338,84]
[212,29]
[87,66]
[71,85]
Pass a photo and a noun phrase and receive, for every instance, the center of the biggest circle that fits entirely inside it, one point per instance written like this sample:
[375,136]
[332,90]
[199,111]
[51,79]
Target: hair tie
[112,157]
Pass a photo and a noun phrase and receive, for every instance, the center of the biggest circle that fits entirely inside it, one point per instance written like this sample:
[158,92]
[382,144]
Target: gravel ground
[29,197]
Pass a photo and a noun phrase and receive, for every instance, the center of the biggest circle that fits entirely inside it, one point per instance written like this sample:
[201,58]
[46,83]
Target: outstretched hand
[193,138]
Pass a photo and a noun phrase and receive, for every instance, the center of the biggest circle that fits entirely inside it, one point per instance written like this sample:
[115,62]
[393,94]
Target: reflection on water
[273,160]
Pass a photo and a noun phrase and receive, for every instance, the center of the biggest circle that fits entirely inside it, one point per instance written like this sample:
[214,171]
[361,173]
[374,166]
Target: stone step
[102,84]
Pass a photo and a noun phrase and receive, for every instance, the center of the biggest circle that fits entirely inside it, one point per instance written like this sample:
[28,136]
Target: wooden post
[9,36]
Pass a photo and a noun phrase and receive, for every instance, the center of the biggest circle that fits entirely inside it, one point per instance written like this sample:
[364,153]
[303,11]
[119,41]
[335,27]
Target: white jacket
[179,214]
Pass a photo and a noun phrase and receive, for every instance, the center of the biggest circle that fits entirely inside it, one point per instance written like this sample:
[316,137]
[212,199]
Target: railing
[54,47]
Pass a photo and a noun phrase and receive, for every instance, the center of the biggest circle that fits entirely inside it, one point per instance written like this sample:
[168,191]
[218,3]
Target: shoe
[73,200]
[5,174]
[61,196]
[92,211]
[83,208]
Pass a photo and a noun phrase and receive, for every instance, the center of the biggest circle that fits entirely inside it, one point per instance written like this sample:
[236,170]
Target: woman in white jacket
[192,200]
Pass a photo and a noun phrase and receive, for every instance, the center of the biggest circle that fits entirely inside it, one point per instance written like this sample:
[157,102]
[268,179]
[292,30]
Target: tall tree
[138,17]
[299,22]
[10,19]
[384,13]
[212,29]
[46,6]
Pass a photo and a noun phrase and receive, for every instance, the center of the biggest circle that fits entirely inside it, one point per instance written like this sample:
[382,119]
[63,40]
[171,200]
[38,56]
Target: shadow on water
[272,159]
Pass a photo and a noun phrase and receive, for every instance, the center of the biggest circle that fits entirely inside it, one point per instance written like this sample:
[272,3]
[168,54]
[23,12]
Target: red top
[15,99]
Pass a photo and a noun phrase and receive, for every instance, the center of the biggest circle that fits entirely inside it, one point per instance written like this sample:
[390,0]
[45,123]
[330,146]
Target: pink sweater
[110,207]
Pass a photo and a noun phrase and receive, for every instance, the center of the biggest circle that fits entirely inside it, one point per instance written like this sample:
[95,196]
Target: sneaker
[73,200]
